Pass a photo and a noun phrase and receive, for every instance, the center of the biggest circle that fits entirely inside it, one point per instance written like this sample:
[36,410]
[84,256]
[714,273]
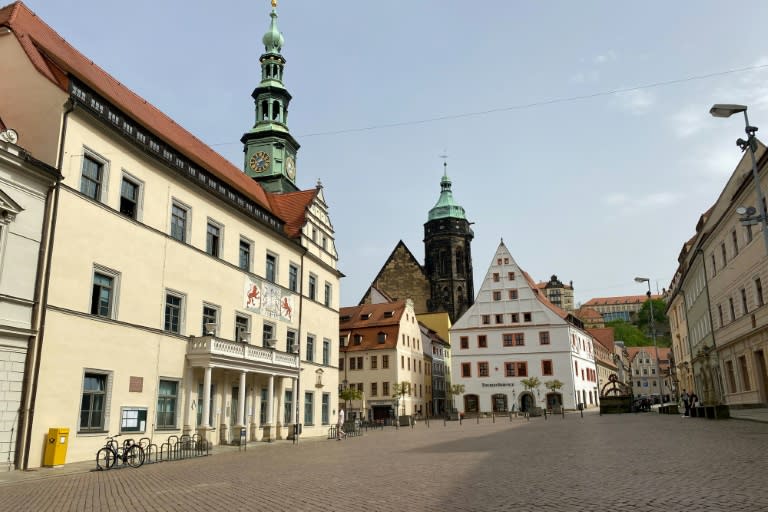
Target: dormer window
[382,337]
[365,316]
[389,314]
[345,318]
[358,339]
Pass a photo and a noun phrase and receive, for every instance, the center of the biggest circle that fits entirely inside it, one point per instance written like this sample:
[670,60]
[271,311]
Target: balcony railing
[209,345]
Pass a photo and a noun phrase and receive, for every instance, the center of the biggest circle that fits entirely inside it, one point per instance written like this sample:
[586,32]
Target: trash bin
[56,447]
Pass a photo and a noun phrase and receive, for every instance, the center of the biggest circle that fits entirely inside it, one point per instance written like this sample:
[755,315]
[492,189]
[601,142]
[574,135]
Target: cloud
[689,121]
[637,102]
[609,56]
[591,74]
[624,204]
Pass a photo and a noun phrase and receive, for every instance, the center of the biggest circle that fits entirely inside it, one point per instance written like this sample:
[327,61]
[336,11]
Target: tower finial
[274,4]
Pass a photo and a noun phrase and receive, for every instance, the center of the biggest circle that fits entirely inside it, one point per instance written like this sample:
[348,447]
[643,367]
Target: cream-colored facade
[26,187]
[182,298]
[678,323]
[382,349]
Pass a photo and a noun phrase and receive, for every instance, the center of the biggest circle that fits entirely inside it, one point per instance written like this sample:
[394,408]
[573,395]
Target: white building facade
[512,332]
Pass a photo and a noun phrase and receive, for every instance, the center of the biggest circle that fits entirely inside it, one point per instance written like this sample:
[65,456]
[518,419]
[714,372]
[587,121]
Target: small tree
[531,383]
[456,389]
[554,386]
[400,390]
[350,393]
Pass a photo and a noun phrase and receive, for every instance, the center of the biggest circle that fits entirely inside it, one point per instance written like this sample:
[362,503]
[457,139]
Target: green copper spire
[273,40]
[446,207]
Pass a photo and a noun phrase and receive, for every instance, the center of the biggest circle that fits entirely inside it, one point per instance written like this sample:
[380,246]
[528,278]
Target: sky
[577,132]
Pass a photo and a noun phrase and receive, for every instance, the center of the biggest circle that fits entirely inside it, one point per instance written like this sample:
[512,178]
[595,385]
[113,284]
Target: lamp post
[749,214]
[653,335]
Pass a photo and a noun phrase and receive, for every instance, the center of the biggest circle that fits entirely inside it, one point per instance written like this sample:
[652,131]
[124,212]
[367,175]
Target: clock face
[259,161]
[290,167]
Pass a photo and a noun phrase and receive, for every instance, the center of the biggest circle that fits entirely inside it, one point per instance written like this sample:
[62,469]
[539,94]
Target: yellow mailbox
[56,446]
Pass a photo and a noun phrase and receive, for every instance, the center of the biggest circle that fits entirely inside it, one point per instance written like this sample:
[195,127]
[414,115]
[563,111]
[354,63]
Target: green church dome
[446,207]
[273,40]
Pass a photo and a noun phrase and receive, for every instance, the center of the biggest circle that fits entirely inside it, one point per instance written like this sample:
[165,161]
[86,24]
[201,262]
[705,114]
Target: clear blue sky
[596,190]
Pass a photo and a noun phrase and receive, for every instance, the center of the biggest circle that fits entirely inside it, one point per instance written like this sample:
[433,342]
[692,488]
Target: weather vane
[444,157]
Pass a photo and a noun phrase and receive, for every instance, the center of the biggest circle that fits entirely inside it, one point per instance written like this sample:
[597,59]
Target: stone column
[241,401]
[269,424]
[205,426]
[295,400]
[279,401]
[188,418]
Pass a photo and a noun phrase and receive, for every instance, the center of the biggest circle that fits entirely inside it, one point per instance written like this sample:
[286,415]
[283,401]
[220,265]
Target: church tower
[270,150]
[447,253]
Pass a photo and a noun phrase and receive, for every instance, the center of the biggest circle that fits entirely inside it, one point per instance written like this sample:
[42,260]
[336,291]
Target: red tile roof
[588,314]
[291,207]
[353,321]
[543,298]
[56,59]
[604,336]
[614,301]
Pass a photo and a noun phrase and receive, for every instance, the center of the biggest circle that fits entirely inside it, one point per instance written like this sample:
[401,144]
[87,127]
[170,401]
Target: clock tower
[448,255]
[270,149]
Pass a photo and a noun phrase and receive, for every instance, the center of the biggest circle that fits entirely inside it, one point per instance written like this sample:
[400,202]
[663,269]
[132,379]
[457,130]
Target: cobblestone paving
[640,462]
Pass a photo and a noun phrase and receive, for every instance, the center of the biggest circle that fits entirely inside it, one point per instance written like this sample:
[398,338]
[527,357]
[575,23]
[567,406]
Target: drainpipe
[42,283]
[297,391]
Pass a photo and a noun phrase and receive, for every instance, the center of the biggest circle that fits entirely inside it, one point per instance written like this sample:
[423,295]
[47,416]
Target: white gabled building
[512,332]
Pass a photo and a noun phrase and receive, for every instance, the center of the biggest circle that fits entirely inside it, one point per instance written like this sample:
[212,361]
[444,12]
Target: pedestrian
[694,401]
[340,426]
[686,403]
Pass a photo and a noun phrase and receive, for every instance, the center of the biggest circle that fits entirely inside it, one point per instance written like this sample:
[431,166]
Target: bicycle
[130,453]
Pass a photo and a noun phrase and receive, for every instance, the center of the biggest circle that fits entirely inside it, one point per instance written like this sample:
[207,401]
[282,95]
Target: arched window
[459,295]
[459,262]
[265,110]
[276,110]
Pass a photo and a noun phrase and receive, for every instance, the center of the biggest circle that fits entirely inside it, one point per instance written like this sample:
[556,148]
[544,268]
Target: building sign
[499,385]
[136,384]
[268,300]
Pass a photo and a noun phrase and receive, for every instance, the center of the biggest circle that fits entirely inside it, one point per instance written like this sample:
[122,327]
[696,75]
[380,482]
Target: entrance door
[235,405]
[526,402]
[762,380]
[499,403]
[554,400]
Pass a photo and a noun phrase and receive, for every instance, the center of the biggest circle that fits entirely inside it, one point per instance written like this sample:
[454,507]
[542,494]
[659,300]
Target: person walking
[340,426]
[686,403]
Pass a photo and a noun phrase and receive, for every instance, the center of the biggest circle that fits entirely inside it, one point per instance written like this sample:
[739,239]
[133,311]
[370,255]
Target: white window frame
[251,245]
[187,227]
[220,246]
[104,186]
[182,310]
[107,400]
[115,275]
[177,412]
[125,175]
[218,318]
[277,267]
[249,323]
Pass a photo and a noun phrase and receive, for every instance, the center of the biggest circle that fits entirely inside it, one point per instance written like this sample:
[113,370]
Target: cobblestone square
[639,462]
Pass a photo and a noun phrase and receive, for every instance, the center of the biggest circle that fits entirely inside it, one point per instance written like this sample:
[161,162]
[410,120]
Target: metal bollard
[545,414]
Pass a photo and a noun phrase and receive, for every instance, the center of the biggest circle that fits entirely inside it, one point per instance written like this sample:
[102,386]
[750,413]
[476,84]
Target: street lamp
[749,215]
[653,335]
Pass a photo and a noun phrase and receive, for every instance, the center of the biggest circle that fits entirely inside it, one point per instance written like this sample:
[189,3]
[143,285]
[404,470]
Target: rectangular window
[526,317]
[482,369]
[167,399]
[546,367]
[353,363]
[360,366]
[309,408]
[129,198]
[507,340]
[288,407]
[544,338]
[509,369]
[271,268]
[374,388]
[497,295]
[744,373]
[714,265]
[522,369]
[179,225]
[310,356]
[290,338]
[103,294]
[749,233]
[486,319]
[513,294]
[92,178]
[466,369]
[744,308]
[482,341]
[341,364]
[720,314]
[731,376]
[519,339]
[242,328]
[293,278]
[495,277]
[735,240]
[210,320]
[511,276]
[723,253]
[464,341]
[326,352]
[327,295]
[515,318]
[759,292]
[312,288]
[326,417]
[499,318]
[402,362]
[245,255]
[374,362]
[92,402]
[213,239]
[732,308]
[263,406]
[384,362]
[385,389]
[173,309]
